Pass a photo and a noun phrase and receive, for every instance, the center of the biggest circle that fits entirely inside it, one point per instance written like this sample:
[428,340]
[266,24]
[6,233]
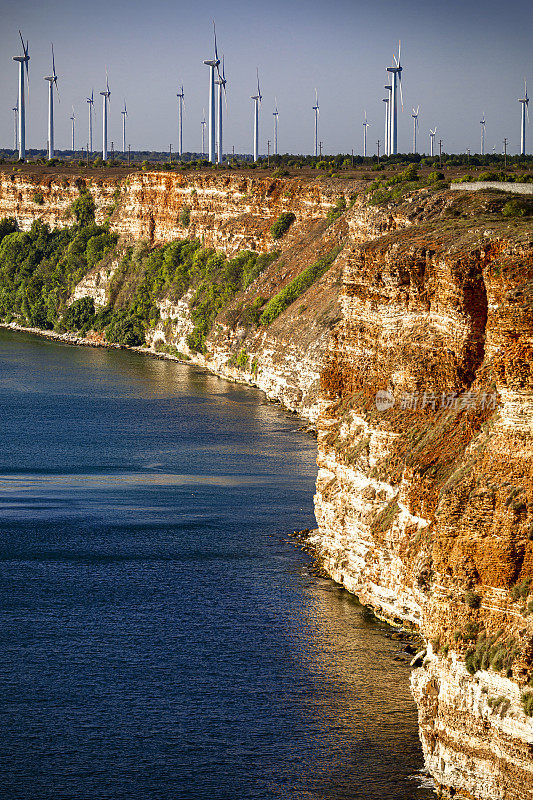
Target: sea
[161,636]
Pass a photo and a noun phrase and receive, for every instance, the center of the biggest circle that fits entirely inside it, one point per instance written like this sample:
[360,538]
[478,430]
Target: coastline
[83,341]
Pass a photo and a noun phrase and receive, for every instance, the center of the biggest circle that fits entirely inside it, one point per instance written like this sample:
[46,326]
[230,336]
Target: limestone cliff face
[424,499]
[234,213]
[49,197]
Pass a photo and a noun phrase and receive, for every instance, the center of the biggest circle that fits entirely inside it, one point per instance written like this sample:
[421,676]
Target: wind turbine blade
[53,62]
[215,35]
[400,87]
[399,52]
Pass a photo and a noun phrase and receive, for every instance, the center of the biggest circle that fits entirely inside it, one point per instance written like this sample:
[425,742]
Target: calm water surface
[161,638]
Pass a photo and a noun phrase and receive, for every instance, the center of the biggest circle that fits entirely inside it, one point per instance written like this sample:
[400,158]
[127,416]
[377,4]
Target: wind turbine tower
[415,126]
[90,101]
[365,126]
[23,63]
[212,64]
[15,110]
[73,120]
[432,141]
[203,124]
[257,99]
[52,81]
[124,115]
[106,95]
[388,108]
[316,109]
[483,123]
[221,83]
[525,113]
[386,100]
[180,95]
[275,114]
[396,72]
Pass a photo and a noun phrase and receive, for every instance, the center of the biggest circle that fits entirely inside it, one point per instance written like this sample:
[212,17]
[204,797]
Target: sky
[461,60]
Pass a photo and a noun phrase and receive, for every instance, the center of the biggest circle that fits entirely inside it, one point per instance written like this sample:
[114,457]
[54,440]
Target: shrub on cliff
[80,315]
[125,329]
[282,225]
[527,703]
[7,225]
[185,217]
[98,246]
[83,208]
[298,286]
[335,212]
[518,207]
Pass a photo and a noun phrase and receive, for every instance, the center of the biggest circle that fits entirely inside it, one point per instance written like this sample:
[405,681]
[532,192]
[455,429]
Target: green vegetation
[171,350]
[527,703]
[38,198]
[80,315]
[336,211]
[297,287]
[40,268]
[83,208]
[217,282]
[489,652]
[386,517]
[500,703]
[520,590]
[282,225]
[185,216]
[518,207]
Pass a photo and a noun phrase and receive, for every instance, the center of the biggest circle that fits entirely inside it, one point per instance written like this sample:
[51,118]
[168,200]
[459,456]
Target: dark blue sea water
[161,638]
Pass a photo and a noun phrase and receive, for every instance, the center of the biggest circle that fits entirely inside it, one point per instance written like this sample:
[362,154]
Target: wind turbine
[257,99]
[365,126]
[23,62]
[203,124]
[52,81]
[180,95]
[388,108]
[316,109]
[90,101]
[483,123]
[525,113]
[415,126]
[386,100]
[124,115]
[275,114]
[212,64]
[15,110]
[221,83]
[396,72]
[432,141]
[73,120]
[106,95]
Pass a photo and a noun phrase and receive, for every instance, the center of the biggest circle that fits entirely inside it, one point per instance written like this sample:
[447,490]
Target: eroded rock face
[425,500]
[473,731]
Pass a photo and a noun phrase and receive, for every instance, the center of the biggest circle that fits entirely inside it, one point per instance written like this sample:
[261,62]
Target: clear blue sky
[460,59]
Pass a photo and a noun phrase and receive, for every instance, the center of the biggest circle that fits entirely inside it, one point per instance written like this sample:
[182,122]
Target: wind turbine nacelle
[212,63]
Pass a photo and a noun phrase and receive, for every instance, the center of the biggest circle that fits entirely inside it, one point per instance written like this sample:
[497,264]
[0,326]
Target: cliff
[412,354]
[424,494]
